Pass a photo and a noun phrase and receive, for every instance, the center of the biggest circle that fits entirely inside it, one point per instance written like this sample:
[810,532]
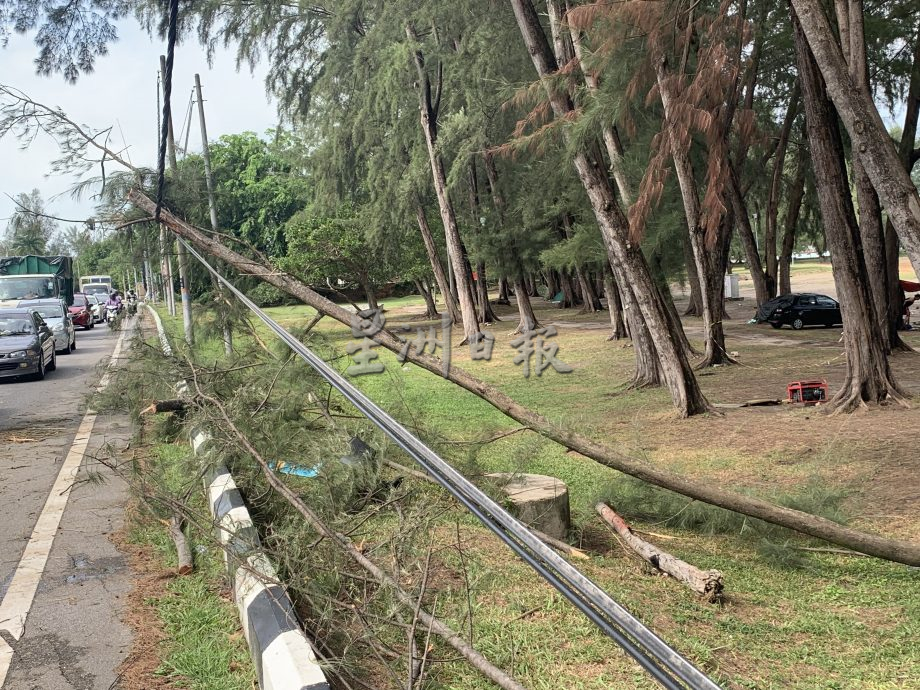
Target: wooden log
[158,406]
[540,502]
[707,583]
[183,552]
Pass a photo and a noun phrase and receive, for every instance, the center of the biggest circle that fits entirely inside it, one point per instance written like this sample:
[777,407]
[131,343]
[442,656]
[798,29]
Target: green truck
[35,277]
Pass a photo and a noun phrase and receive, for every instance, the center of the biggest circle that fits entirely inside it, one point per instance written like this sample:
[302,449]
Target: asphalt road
[72,636]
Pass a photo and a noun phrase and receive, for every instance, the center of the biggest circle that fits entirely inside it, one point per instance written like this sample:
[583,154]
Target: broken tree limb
[435,625]
[799,521]
[158,406]
[707,583]
[183,552]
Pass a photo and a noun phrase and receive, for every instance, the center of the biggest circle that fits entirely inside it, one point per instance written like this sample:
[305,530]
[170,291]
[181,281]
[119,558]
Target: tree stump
[538,501]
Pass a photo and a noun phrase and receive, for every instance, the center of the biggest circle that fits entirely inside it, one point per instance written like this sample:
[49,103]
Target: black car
[800,310]
[26,344]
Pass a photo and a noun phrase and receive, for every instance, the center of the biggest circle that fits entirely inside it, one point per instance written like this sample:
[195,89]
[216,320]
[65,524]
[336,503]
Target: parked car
[799,310]
[97,307]
[80,311]
[57,317]
[26,344]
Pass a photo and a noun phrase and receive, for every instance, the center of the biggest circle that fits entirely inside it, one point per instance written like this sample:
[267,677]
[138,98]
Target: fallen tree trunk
[708,583]
[812,525]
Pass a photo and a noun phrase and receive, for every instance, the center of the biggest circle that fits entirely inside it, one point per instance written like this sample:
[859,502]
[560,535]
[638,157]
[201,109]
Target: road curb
[282,654]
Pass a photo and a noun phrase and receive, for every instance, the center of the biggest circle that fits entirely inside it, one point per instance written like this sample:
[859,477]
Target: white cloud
[122,93]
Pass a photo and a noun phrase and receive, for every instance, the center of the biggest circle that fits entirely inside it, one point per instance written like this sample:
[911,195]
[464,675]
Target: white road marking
[19,596]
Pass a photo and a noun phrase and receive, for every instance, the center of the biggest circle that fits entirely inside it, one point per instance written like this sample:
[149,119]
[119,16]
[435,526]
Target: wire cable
[655,656]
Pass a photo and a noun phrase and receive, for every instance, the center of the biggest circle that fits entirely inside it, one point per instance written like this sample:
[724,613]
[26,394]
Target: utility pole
[183,255]
[212,204]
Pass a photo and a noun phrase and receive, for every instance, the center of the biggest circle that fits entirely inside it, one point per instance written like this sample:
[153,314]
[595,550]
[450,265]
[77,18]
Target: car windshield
[16,287]
[79,301]
[15,324]
[96,289]
[48,311]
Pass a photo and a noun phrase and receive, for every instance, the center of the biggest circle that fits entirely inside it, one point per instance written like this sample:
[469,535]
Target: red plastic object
[807,392]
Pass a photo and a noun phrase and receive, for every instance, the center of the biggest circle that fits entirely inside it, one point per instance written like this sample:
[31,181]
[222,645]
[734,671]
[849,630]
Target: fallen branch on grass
[435,625]
[158,406]
[183,552]
[708,583]
[707,492]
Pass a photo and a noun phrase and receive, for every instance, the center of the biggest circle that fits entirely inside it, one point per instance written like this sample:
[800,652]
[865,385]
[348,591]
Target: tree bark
[528,320]
[503,296]
[815,526]
[869,378]
[431,249]
[695,306]
[569,299]
[614,306]
[746,233]
[870,211]
[793,208]
[591,304]
[676,371]
[183,552]
[907,155]
[428,116]
[707,583]
[707,259]
[776,187]
[369,293]
[870,140]
[552,283]
[486,315]
[431,309]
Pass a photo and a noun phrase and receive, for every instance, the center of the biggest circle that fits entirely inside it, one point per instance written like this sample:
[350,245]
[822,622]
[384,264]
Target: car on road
[56,316]
[26,343]
[799,310]
[80,311]
[97,307]
[101,290]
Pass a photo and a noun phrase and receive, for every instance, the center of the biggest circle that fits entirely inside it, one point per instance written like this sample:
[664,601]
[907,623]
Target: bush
[266,295]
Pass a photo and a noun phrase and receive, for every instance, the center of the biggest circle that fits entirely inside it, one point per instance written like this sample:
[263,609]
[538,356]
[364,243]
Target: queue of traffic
[40,312]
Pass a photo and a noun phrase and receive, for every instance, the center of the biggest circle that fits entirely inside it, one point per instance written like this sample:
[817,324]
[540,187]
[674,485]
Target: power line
[655,656]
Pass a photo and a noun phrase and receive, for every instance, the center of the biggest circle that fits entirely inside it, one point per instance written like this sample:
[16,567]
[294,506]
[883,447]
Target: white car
[97,307]
[56,315]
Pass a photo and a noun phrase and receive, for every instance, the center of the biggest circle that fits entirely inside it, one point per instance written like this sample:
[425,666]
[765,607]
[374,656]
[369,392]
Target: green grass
[204,648]
[791,619]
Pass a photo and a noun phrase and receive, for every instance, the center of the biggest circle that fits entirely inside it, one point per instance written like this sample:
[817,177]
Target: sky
[122,93]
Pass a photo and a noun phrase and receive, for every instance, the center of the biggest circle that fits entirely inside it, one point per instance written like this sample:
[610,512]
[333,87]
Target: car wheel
[41,367]
[67,350]
[798,324]
[73,345]
[776,324]
[53,365]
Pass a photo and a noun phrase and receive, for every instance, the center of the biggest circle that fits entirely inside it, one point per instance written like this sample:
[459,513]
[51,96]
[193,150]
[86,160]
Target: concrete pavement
[72,636]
